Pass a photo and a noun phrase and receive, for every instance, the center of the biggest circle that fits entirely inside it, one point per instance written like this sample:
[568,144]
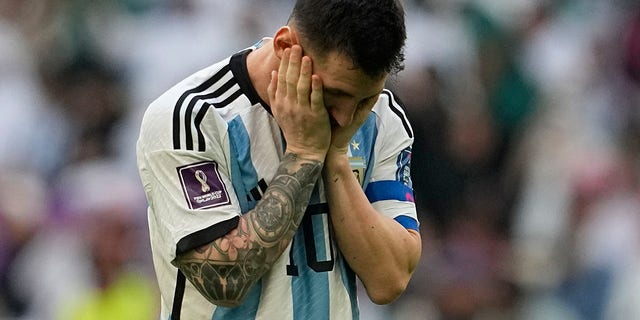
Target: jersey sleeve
[190,194]
[390,189]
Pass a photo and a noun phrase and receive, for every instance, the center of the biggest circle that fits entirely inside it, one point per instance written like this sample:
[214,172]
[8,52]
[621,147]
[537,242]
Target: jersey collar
[238,65]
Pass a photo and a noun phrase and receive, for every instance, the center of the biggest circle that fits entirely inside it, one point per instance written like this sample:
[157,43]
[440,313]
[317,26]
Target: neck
[260,63]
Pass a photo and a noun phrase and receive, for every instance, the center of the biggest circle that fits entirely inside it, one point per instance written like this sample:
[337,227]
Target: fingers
[293,78]
[273,86]
[304,81]
[297,104]
[282,73]
[293,71]
[317,99]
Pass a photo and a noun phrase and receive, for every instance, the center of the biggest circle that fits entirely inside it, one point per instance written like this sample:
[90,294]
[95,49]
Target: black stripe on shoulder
[198,121]
[228,100]
[200,88]
[188,113]
[200,116]
[397,109]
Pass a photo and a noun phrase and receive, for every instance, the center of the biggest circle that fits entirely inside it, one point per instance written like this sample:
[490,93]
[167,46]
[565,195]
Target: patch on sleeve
[404,167]
[202,186]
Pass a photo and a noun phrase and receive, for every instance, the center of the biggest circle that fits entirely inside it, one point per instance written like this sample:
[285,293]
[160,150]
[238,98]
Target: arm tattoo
[224,270]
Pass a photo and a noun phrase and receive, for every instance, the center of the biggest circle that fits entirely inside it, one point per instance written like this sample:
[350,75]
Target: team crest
[202,185]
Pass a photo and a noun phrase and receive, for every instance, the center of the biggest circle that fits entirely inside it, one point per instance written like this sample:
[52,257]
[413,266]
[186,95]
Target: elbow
[388,283]
[387,291]
[386,287]
[220,291]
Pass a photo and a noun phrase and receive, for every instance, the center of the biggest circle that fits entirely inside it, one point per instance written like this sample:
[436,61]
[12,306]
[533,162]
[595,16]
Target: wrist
[305,155]
[338,152]
[336,159]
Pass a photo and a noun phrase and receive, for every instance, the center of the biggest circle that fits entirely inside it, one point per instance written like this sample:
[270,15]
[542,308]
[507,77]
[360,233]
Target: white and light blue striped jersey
[208,149]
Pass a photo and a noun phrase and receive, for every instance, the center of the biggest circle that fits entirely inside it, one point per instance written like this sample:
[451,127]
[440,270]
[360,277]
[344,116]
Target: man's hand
[341,136]
[296,100]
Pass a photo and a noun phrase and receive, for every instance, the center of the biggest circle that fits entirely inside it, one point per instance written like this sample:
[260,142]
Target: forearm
[381,251]
[225,269]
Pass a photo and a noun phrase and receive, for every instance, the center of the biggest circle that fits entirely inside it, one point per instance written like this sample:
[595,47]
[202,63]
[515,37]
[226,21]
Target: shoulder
[182,105]
[391,114]
[200,82]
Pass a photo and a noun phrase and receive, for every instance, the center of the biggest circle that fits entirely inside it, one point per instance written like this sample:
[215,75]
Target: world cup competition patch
[202,186]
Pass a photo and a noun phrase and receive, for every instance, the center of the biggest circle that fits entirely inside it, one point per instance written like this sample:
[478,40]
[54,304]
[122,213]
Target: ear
[284,38]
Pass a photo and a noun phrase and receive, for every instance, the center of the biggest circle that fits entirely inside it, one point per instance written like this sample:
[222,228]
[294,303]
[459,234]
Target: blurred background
[525,164]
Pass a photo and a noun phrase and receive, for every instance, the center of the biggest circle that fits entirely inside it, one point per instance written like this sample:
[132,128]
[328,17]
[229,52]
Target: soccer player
[279,174]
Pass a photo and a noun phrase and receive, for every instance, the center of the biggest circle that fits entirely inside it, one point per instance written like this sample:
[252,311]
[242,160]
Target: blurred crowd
[526,163]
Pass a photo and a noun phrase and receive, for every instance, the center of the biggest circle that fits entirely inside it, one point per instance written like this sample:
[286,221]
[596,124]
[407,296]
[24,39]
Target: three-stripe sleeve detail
[187,117]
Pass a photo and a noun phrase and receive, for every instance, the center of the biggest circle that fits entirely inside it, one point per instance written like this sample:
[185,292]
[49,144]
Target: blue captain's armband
[407,222]
[389,190]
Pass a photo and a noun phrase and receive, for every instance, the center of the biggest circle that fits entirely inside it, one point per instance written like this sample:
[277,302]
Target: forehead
[340,76]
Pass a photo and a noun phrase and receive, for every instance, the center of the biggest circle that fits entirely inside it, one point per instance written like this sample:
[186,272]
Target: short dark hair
[371,32]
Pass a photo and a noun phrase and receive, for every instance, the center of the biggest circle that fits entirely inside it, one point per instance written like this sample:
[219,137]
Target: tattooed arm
[225,269]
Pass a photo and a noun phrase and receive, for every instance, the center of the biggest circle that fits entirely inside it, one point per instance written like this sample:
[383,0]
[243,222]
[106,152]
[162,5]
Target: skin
[319,101]
[225,269]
